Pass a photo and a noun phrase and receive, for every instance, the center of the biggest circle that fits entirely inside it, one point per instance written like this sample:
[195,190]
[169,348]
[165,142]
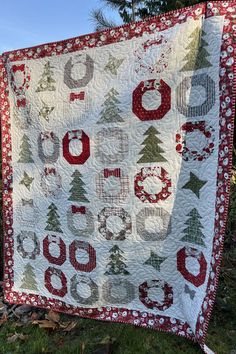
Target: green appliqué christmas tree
[116,265]
[197,53]
[152,150]
[77,191]
[28,281]
[46,83]
[110,112]
[193,232]
[53,223]
[25,152]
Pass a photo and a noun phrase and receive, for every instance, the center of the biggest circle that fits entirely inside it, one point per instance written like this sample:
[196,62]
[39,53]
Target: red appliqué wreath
[143,54]
[182,140]
[151,304]
[19,90]
[146,172]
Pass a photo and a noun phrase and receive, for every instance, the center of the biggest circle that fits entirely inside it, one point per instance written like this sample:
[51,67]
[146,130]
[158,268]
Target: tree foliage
[134,10]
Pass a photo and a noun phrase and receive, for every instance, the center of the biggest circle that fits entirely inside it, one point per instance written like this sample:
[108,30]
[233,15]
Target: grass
[91,336]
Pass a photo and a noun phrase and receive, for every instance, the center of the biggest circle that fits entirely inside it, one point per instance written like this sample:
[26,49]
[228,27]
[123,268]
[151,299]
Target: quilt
[116,158]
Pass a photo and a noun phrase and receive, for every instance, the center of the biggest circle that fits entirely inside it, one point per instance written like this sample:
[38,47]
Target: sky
[26,23]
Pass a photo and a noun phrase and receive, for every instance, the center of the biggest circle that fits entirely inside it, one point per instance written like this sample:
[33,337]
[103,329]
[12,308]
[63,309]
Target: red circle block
[168,295]
[80,159]
[58,242]
[47,279]
[91,264]
[155,114]
[182,255]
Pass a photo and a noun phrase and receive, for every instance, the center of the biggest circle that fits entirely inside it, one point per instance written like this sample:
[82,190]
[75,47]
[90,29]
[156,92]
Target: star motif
[194,184]
[155,261]
[45,111]
[113,64]
[27,180]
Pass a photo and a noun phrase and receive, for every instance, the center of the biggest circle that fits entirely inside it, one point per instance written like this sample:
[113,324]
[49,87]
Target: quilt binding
[97,39]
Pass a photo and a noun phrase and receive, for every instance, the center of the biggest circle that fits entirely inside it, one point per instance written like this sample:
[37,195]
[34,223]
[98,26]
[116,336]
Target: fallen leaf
[13,338]
[3,319]
[46,324]
[82,348]
[53,316]
[70,326]
[19,324]
[34,316]
[2,307]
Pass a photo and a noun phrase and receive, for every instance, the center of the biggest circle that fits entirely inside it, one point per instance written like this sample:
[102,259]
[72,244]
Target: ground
[90,336]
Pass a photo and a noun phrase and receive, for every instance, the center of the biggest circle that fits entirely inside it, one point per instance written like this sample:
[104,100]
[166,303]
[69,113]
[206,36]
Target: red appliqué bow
[47,135]
[21,102]
[115,172]
[77,96]
[49,171]
[75,134]
[16,68]
[76,209]
[27,202]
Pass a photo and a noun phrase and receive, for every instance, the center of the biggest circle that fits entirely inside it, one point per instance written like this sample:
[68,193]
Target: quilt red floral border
[227,83]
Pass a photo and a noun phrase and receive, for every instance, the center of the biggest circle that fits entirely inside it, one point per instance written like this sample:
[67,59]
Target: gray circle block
[75,281]
[47,159]
[28,235]
[118,291]
[153,213]
[203,80]
[87,231]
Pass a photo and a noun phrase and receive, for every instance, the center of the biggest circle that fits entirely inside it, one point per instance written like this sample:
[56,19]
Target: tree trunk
[133,10]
